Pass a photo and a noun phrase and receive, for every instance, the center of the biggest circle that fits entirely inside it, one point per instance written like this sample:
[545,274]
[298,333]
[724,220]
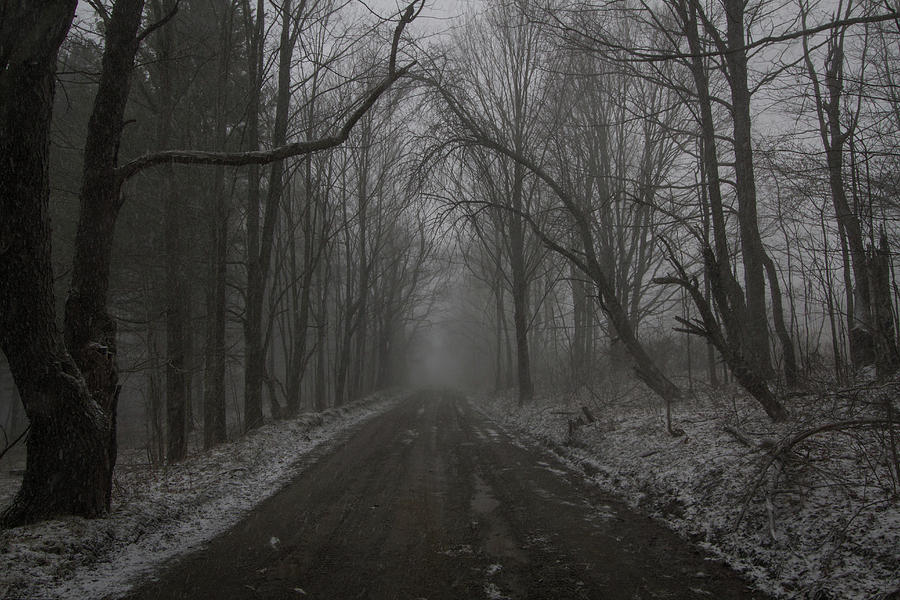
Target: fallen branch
[784,446]
[741,437]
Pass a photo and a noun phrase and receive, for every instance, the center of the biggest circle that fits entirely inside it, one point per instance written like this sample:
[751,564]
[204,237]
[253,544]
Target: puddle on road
[498,540]
[458,550]
[493,592]
[483,502]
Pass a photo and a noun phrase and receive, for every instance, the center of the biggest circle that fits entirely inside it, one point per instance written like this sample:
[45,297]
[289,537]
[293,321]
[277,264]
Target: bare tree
[871,339]
[71,400]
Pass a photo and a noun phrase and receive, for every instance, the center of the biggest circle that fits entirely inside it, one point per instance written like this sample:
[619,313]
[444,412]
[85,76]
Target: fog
[387,257]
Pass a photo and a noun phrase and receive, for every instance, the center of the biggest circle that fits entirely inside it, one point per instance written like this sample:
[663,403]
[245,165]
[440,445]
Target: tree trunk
[784,337]
[298,357]
[520,287]
[71,449]
[176,370]
[360,314]
[756,332]
[743,316]
[90,333]
[321,390]
[886,355]
[215,428]
[499,374]
[86,317]
[582,329]
[254,360]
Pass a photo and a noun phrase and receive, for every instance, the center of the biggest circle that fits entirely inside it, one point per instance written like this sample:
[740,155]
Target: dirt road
[432,501]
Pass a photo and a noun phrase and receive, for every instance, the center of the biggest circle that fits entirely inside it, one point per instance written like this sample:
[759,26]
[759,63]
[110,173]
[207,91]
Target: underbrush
[805,509]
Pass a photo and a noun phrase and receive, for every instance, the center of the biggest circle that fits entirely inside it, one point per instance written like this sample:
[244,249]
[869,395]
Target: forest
[220,214]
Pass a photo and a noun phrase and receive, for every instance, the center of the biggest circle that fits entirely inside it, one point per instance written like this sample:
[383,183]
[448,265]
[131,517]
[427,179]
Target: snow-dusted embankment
[820,523]
[158,514]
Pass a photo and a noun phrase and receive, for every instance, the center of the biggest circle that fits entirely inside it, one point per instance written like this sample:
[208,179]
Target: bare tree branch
[154,26]
[654,55]
[236,159]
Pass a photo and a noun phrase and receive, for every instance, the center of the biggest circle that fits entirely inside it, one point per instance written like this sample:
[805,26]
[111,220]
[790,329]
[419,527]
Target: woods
[70,391]
[670,134]
[217,213]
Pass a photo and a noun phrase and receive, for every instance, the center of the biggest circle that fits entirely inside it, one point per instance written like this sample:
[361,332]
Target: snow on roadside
[159,514]
[823,523]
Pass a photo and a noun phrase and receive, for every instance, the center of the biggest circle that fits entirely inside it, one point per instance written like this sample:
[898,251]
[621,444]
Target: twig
[14,442]
[741,437]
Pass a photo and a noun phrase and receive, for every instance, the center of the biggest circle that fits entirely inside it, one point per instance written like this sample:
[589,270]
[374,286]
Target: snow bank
[821,522]
[158,514]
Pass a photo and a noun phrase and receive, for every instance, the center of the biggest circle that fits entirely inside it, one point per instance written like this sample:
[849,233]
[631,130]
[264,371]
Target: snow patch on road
[158,514]
[493,592]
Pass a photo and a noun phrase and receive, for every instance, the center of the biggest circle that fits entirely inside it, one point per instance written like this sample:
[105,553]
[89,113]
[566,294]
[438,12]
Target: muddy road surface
[432,501]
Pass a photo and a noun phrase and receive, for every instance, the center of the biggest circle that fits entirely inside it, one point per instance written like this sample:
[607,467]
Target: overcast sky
[437,16]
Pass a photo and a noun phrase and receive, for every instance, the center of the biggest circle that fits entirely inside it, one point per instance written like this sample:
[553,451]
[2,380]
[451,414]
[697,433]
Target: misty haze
[449,299]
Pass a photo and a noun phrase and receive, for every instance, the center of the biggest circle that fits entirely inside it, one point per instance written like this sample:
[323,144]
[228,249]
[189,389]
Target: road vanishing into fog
[432,501]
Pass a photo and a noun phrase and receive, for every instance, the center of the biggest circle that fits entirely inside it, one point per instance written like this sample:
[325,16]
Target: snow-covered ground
[159,514]
[819,521]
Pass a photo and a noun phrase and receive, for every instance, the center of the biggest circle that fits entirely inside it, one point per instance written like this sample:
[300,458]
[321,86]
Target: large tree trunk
[86,317]
[756,332]
[71,451]
[90,333]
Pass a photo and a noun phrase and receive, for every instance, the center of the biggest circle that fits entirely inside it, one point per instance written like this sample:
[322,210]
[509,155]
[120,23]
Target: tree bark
[176,367]
[582,329]
[70,451]
[520,287]
[254,360]
[886,354]
[215,429]
[756,333]
[784,337]
[321,389]
[86,316]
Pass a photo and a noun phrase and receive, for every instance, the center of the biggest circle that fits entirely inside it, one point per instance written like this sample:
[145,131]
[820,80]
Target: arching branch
[260,157]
